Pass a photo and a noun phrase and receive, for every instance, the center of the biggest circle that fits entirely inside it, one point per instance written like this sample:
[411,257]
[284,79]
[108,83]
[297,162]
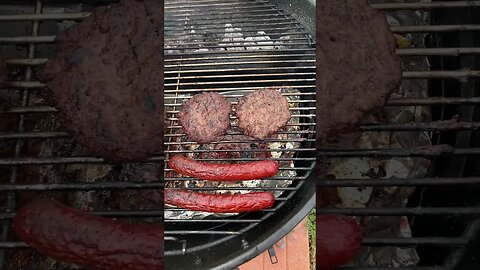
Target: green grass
[311,237]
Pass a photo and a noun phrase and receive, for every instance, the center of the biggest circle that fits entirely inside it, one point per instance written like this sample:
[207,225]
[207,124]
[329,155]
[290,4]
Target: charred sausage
[223,172]
[338,240]
[220,203]
[69,234]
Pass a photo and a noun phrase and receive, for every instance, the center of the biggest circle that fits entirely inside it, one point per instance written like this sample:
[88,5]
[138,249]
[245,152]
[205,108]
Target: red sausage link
[338,240]
[220,203]
[69,234]
[223,172]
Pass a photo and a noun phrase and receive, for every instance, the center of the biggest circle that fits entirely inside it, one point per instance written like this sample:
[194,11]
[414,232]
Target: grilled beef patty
[106,80]
[357,68]
[262,113]
[205,116]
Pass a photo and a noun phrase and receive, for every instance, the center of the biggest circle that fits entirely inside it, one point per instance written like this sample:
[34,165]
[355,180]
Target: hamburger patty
[357,69]
[205,116]
[106,80]
[262,113]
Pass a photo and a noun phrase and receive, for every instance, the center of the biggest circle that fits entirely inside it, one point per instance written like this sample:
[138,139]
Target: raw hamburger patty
[357,68]
[205,116]
[106,80]
[262,113]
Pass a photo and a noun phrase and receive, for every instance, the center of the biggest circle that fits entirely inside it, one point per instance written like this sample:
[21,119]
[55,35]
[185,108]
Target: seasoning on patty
[263,113]
[205,116]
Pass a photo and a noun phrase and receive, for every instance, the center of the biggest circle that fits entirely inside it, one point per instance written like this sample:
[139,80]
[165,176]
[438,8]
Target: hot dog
[338,240]
[219,203]
[223,172]
[68,234]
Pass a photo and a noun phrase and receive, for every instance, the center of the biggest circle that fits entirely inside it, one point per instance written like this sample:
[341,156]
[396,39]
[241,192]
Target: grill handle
[272,255]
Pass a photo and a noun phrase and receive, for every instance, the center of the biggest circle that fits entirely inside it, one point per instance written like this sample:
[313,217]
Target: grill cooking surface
[234,48]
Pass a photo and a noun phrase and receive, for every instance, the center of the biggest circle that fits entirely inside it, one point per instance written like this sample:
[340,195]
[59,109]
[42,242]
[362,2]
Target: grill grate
[236,47]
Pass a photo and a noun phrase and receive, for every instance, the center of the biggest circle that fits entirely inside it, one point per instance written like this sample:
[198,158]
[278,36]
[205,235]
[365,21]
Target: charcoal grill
[234,48]
[442,206]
